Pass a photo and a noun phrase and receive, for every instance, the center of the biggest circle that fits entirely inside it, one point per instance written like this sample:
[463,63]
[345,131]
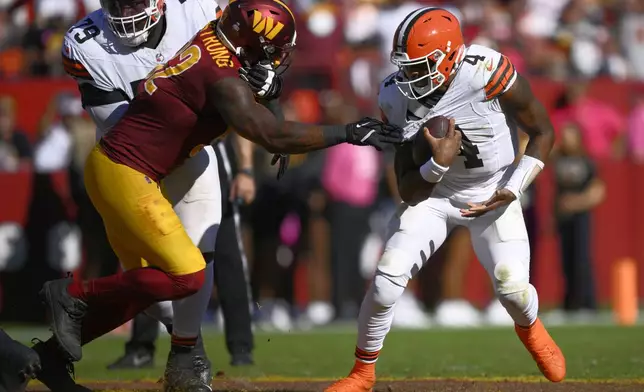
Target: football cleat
[18,364]
[65,316]
[188,369]
[57,372]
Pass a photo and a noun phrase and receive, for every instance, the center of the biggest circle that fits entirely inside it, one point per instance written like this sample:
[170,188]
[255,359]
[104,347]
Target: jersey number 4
[176,66]
[470,152]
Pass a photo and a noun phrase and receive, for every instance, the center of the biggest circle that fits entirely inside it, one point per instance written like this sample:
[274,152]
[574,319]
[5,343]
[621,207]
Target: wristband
[524,173]
[334,134]
[432,171]
[247,171]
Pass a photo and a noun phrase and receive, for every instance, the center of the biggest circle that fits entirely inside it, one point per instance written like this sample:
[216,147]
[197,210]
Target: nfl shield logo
[160,58]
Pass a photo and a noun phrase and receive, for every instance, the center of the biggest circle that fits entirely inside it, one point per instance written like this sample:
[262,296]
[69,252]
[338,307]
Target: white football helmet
[131,20]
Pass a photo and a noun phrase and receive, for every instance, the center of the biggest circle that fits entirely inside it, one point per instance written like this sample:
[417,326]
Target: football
[422,150]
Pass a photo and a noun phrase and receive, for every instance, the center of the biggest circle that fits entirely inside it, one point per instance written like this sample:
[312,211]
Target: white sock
[523,307]
[189,312]
[376,316]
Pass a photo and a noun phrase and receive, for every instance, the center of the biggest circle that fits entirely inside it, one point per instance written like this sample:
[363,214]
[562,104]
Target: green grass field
[593,353]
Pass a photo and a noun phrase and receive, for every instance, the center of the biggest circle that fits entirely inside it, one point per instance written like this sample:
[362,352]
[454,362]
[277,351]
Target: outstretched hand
[373,132]
[501,198]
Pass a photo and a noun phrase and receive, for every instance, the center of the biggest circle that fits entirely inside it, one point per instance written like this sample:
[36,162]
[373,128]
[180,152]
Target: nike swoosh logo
[489,66]
[138,361]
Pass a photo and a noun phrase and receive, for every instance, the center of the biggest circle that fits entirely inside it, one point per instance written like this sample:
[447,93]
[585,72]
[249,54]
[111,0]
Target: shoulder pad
[81,53]
[210,8]
[73,60]
[387,90]
[489,70]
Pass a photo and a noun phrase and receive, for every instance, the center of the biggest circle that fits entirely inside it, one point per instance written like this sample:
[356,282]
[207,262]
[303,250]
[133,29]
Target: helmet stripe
[285,6]
[402,34]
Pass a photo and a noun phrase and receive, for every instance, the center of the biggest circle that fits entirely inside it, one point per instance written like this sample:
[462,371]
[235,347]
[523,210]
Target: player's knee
[186,285]
[512,282]
[386,290]
[392,276]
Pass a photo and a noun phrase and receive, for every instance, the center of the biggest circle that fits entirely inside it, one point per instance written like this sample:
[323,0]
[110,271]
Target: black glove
[372,132]
[262,79]
[284,160]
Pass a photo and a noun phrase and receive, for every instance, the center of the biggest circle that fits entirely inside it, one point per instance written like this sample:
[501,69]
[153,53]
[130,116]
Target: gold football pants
[141,225]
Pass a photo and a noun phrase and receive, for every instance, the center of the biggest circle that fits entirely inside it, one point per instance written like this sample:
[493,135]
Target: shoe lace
[71,370]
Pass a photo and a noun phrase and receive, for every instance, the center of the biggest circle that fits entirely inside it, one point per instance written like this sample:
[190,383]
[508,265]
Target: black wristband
[247,171]
[334,134]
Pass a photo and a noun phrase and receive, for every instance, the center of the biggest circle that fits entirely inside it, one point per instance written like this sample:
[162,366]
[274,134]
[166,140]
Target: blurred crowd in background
[312,216]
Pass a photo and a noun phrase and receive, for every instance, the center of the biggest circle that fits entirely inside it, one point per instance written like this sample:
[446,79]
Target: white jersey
[489,140]
[94,56]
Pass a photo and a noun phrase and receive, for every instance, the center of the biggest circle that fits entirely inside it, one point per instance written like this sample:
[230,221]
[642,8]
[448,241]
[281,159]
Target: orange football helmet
[428,47]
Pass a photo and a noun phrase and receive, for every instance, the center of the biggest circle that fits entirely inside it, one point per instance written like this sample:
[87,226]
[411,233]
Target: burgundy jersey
[171,118]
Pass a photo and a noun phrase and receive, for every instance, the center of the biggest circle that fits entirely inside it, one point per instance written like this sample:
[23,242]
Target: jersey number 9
[89,31]
[176,66]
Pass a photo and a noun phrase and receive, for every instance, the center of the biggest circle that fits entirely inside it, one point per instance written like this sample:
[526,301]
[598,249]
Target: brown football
[422,150]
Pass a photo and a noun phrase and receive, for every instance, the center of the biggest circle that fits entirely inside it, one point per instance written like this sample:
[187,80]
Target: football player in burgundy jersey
[182,106]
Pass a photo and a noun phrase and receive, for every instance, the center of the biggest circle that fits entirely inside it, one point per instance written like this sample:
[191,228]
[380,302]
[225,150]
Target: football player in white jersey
[480,90]
[108,53]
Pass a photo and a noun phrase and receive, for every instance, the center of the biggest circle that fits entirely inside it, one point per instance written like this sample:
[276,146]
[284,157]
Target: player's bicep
[237,106]
[501,79]
[520,105]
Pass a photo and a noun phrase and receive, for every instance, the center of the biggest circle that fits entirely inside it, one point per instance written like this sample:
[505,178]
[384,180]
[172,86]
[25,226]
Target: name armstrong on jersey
[217,51]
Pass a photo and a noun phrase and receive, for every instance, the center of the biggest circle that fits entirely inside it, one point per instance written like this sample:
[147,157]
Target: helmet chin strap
[421,90]
[136,41]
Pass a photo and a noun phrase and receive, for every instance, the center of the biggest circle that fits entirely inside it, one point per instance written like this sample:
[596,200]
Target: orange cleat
[544,350]
[361,379]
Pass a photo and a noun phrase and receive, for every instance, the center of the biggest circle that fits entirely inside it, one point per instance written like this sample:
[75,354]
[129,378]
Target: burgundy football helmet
[259,30]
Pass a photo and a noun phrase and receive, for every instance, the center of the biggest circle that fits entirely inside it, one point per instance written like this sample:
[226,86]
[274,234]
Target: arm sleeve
[72,61]
[500,76]
[83,66]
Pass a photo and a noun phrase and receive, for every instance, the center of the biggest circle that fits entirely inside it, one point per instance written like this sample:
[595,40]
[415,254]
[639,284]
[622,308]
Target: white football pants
[500,241]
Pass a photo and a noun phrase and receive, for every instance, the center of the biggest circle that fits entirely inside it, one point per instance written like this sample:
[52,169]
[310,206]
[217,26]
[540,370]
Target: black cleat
[18,364]
[188,370]
[241,359]
[65,316]
[139,359]
[57,371]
